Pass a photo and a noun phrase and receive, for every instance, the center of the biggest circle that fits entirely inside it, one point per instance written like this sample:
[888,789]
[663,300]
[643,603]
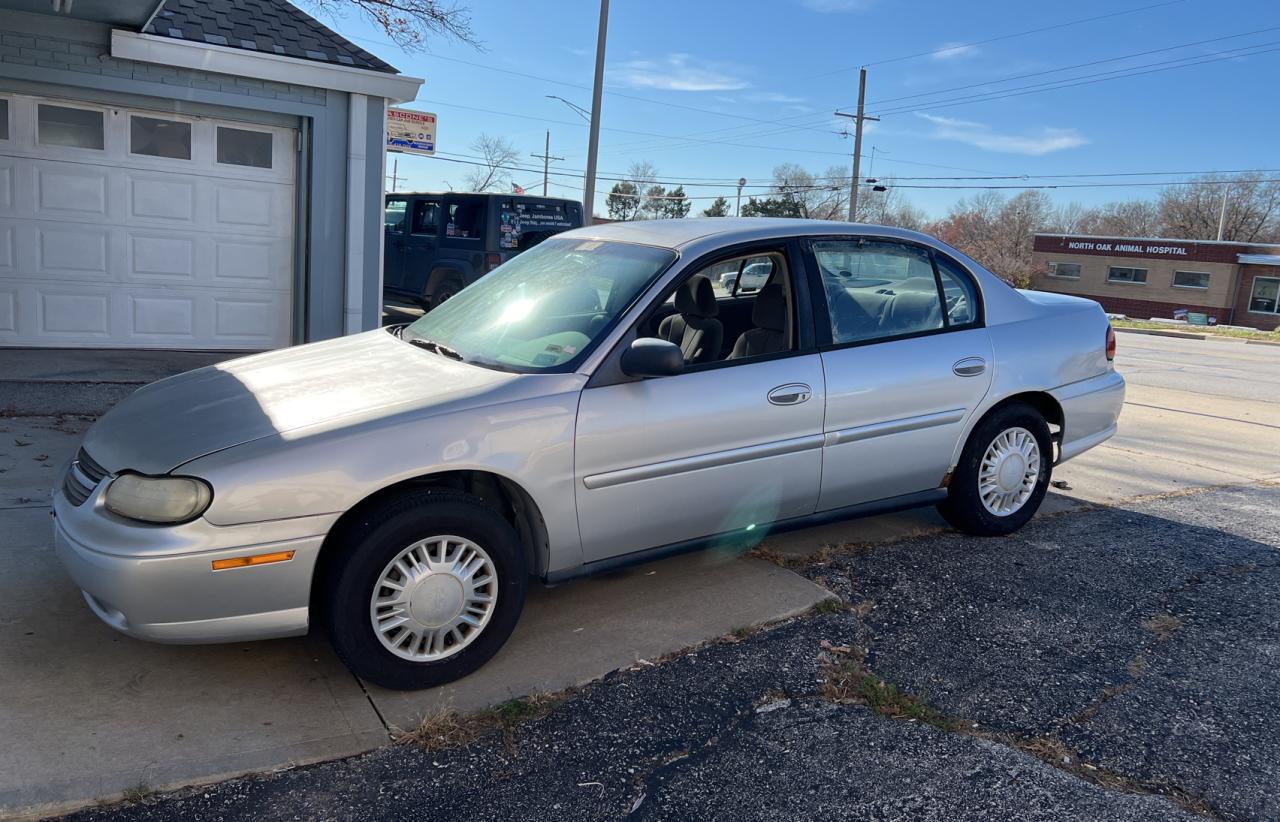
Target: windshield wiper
[434,347]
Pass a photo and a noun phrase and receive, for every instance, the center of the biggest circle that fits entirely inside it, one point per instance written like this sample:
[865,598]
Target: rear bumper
[1090,411]
[178,597]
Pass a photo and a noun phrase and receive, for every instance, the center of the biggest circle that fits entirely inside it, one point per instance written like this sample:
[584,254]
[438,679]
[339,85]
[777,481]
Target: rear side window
[959,292]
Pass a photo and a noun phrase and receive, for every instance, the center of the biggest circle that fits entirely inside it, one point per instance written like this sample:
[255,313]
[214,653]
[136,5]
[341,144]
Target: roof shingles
[265,25]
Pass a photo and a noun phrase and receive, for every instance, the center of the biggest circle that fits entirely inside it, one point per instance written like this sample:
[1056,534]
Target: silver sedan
[591,404]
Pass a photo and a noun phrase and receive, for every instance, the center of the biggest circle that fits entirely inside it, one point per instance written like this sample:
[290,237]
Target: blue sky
[734,88]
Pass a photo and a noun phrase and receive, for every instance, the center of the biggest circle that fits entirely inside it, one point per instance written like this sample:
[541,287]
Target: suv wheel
[1003,473]
[426,590]
[444,290]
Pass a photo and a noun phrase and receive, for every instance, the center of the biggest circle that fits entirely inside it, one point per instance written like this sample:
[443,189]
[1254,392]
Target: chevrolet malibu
[589,405]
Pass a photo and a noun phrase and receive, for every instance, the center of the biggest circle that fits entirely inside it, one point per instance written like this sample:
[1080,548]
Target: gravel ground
[1103,664]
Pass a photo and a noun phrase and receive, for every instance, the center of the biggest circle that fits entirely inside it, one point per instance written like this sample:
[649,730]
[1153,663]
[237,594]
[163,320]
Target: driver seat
[695,328]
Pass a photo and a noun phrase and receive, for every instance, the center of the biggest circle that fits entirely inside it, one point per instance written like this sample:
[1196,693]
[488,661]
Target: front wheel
[426,589]
[1003,473]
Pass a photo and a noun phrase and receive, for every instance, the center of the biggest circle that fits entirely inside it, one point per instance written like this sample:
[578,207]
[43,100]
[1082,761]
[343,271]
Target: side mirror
[650,357]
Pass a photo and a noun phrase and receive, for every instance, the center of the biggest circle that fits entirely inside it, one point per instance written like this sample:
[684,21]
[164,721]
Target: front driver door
[723,447]
[394,225]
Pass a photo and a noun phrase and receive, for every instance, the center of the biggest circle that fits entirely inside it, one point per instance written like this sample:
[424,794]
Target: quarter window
[241,147]
[1265,297]
[881,289]
[66,126]
[1191,279]
[1120,274]
[958,291]
[465,220]
[1068,271]
[160,138]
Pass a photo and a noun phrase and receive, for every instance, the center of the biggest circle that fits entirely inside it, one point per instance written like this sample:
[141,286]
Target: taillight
[1111,343]
[492,261]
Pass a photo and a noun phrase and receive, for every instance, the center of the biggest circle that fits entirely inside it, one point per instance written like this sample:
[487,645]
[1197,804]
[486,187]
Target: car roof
[478,194]
[677,234]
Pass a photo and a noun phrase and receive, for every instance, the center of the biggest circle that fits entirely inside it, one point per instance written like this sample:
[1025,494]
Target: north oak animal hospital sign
[1128,248]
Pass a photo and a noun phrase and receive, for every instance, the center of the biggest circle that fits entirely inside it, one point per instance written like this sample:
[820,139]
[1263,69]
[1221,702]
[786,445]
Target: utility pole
[1222,215]
[593,147]
[546,159]
[857,140]
[737,211]
[395,177]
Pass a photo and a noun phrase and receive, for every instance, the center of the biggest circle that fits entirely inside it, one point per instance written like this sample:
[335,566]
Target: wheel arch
[1043,402]
[501,493]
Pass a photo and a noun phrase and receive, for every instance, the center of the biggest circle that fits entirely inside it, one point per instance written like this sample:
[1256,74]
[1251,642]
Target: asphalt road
[1111,663]
[1210,368]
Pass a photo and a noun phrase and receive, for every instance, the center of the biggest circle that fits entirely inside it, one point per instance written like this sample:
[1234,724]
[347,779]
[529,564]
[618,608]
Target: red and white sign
[412,132]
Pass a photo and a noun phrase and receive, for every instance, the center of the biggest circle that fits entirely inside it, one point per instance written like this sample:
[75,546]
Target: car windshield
[544,308]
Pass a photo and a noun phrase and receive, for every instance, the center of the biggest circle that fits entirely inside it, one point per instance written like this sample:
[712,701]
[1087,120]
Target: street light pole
[593,147]
[737,211]
[1222,215]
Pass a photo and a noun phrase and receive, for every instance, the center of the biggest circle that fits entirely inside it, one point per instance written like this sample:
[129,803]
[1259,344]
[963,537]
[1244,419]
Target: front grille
[82,477]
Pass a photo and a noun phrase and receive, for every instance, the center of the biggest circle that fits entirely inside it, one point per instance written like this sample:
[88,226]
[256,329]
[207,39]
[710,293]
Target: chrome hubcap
[434,599]
[1009,471]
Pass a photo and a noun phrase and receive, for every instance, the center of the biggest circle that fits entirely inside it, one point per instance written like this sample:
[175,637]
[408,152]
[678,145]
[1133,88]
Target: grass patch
[846,680]
[136,793]
[741,632]
[830,605]
[1238,333]
[446,728]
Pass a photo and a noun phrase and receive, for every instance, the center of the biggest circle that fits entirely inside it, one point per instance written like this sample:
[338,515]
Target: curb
[1157,333]
[1262,342]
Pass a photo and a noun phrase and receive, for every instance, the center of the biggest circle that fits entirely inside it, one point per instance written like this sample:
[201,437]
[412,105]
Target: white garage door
[123,228]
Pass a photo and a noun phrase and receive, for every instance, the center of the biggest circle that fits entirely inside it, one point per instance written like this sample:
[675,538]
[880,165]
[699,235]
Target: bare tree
[997,232]
[1192,211]
[494,173]
[409,23]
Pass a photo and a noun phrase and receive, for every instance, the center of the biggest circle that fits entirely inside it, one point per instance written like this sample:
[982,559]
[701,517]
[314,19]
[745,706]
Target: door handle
[790,394]
[970,367]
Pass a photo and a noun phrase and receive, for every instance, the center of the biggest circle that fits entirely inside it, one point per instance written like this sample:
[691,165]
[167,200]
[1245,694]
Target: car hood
[369,375]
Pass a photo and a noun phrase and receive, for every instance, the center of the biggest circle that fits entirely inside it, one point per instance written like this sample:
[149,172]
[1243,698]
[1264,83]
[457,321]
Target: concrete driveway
[98,714]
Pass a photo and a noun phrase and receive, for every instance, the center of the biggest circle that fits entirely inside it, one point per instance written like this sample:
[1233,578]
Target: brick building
[1235,283]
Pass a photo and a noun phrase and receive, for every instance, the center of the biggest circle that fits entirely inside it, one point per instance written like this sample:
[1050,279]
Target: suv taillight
[492,261]
[1111,343]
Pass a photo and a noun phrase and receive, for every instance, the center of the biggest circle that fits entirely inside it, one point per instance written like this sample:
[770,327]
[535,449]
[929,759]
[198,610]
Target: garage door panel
[112,248]
[164,198]
[161,258]
[77,191]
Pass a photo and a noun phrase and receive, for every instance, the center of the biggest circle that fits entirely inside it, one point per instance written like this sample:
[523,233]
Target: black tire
[365,548]
[964,507]
[444,291]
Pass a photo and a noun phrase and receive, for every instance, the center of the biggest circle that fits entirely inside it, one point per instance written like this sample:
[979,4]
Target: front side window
[73,127]
[393,216]
[1265,297]
[1070,271]
[877,289]
[242,147]
[1191,279]
[543,309]
[1122,274]
[154,137]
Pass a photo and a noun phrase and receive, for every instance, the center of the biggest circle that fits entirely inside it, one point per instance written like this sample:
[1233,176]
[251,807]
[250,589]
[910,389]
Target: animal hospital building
[1232,283]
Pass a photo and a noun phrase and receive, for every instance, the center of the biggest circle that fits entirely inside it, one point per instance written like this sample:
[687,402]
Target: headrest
[770,310]
[915,306]
[695,298]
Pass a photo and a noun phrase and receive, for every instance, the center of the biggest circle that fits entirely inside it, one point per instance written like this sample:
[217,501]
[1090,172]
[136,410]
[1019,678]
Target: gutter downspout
[357,123]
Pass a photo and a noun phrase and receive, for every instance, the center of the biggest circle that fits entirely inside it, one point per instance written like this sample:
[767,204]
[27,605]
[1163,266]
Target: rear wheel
[1003,473]
[444,290]
[426,589]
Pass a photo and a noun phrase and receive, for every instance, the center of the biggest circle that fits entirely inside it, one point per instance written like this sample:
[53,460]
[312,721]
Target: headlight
[157,499]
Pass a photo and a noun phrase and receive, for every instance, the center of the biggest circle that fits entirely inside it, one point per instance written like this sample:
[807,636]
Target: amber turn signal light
[256,559]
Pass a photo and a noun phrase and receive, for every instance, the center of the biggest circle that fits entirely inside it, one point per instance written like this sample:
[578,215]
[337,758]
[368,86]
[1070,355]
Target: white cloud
[676,72]
[773,97]
[954,51]
[830,6]
[1045,141]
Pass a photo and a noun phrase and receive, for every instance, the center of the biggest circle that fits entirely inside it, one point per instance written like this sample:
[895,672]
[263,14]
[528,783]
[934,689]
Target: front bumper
[157,582]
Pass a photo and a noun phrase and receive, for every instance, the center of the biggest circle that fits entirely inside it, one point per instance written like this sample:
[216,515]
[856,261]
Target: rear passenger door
[907,360]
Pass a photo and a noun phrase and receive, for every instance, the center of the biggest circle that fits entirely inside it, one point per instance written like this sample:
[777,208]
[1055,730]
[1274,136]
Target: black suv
[439,243]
